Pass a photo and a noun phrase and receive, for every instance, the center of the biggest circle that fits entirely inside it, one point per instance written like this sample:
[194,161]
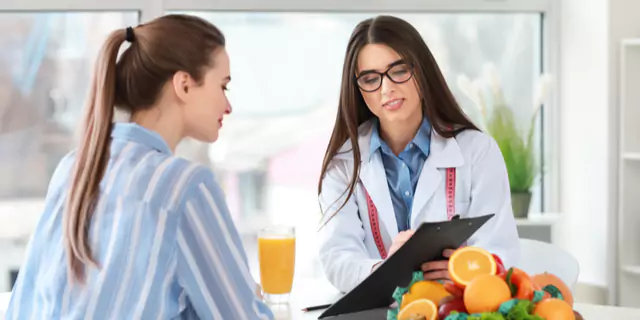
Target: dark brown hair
[438,103]
[134,82]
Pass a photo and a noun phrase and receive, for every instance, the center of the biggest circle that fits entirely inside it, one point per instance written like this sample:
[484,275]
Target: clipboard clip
[455,217]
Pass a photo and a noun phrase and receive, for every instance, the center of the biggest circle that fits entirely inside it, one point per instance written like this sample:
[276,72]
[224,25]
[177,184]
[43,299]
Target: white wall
[590,32]
[624,22]
[583,81]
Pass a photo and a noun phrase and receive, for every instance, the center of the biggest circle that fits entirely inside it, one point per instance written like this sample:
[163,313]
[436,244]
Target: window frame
[549,10]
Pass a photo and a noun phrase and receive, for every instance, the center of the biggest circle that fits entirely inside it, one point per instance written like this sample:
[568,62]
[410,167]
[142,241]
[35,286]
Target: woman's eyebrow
[397,62]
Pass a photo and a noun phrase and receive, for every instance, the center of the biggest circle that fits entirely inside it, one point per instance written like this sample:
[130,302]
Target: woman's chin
[208,137]
[399,117]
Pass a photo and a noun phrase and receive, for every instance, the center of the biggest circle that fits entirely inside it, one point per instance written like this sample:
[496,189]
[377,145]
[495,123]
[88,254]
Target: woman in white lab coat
[403,152]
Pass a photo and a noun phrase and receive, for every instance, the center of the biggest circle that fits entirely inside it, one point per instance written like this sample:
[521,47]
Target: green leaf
[517,147]
[553,291]
[398,293]
[520,311]
[512,287]
[392,314]
[417,277]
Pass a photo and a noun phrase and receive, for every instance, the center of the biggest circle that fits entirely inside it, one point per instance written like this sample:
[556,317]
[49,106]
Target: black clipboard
[426,244]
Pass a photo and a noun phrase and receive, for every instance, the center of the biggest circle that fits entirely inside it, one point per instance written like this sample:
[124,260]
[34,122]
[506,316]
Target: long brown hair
[134,82]
[438,103]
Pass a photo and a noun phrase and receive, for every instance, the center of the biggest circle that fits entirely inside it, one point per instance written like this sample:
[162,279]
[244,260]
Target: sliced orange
[469,262]
[419,309]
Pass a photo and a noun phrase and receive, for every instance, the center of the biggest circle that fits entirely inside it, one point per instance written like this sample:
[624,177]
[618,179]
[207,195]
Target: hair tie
[129,36]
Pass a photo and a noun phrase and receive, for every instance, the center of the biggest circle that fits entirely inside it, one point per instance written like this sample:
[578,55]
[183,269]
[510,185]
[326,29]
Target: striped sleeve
[212,264]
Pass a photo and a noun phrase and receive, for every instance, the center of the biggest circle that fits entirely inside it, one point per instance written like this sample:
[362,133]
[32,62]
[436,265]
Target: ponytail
[91,158]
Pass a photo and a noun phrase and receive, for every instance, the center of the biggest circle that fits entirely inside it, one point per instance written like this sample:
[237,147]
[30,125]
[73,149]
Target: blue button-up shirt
[162,235]
[403,170]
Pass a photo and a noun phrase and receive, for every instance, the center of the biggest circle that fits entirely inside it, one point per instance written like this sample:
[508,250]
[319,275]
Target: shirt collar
[422,139]
[376,141]
[137,133]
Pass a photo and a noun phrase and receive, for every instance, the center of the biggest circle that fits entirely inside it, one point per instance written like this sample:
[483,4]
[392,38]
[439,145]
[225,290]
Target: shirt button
[407,193]
[411,146]
[403,165]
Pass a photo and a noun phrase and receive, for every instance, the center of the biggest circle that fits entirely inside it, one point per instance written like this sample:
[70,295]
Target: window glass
[46,60]
[286,70]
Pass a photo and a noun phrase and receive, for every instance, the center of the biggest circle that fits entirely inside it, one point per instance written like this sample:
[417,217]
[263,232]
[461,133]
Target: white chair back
[538,257]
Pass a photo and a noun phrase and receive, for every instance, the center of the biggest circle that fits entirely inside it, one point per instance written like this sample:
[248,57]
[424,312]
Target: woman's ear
[181,82]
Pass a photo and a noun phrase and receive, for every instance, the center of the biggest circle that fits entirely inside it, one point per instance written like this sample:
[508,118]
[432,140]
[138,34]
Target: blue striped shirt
[162,235]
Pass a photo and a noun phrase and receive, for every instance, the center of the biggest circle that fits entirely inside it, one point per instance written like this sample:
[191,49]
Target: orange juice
[277,262]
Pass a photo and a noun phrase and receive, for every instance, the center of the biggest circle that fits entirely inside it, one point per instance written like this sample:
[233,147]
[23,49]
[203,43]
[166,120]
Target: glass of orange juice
[277,256]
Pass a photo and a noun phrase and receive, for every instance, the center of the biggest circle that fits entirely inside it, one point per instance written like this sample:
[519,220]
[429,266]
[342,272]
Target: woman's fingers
[436,270]
[399,240]
[448,252]
[435,265]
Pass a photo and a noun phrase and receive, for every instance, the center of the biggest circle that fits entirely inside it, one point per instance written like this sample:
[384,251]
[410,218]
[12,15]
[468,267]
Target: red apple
[446,299]
[456,304]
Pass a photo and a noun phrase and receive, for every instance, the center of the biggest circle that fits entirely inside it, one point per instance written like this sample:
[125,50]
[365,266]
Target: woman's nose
[229,109]
[387,86]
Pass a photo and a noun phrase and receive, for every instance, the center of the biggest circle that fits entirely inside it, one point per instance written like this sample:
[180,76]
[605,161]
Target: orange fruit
[419,309]
[554,309]
[485,293]
[469,262]
[430,290]
[544,279]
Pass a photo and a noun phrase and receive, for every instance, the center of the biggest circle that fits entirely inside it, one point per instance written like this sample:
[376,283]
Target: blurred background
[566,69]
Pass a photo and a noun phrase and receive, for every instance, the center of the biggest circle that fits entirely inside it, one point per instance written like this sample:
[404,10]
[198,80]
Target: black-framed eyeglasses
[398,72]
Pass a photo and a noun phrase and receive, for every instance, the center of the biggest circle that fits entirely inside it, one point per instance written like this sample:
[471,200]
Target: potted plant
[514,139]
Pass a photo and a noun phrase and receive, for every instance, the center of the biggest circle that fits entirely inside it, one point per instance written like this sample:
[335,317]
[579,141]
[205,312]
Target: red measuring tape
[373,211]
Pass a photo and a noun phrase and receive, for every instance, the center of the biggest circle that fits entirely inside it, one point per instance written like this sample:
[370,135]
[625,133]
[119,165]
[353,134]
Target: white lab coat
[347,251]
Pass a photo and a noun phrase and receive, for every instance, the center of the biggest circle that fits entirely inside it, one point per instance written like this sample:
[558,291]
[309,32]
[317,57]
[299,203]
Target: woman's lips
[393,105]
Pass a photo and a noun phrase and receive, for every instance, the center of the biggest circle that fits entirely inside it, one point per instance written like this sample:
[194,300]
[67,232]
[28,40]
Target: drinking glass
[277,255]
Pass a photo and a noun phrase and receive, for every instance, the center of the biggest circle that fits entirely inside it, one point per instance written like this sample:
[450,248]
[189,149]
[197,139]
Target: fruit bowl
[482,289]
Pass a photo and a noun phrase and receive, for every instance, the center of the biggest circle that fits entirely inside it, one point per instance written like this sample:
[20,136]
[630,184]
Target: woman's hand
[438,270]
[399,241]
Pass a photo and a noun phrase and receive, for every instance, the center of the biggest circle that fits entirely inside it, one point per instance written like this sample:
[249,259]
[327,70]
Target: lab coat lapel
[444,153]
[429,181]
[374,179]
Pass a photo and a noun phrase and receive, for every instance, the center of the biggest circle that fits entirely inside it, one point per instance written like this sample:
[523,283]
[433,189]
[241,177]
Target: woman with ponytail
[129,231]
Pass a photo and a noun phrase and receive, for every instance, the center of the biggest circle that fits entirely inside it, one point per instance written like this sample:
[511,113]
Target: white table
[308,292]
[317,292]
